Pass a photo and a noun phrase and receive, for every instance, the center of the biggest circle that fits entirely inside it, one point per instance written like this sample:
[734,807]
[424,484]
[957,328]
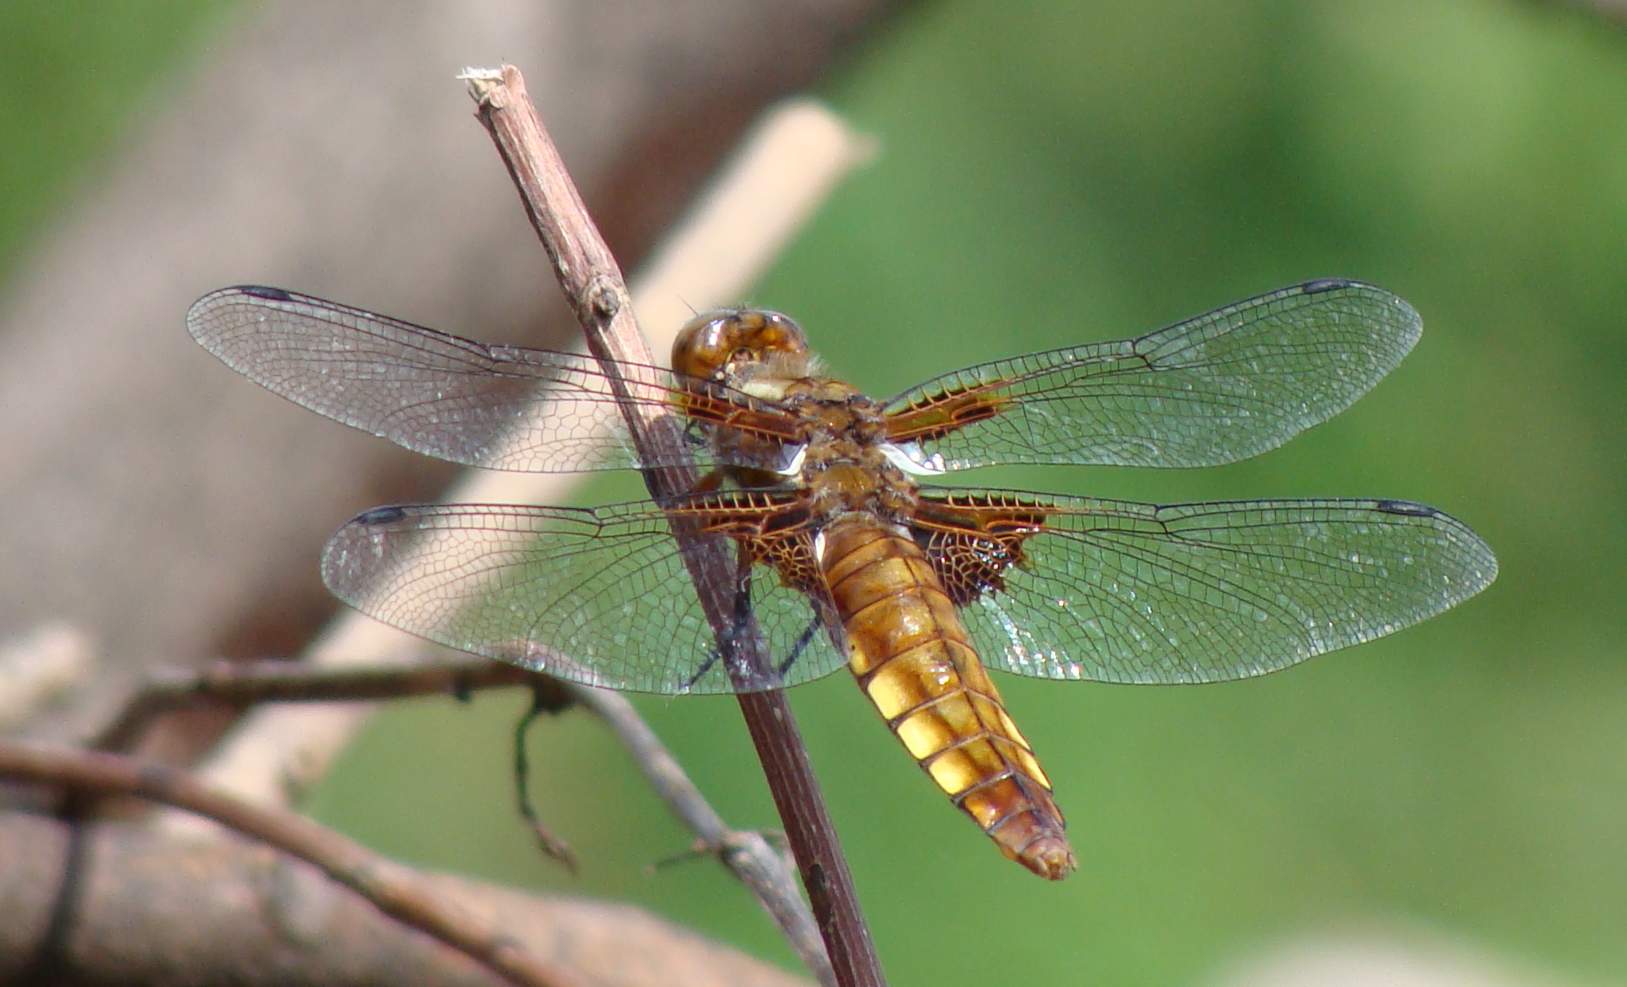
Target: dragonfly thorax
[866,485]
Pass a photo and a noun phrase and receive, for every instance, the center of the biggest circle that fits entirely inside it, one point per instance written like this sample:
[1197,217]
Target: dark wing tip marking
[264,291]
[1407,507]
[1320,285]
[379,515]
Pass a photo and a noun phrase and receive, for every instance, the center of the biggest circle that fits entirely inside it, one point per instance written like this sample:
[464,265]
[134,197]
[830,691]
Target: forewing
[1075,588]
[1215,389]
[599,596]
[500,407]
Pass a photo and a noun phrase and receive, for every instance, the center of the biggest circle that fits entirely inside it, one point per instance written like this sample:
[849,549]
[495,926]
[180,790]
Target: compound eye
[703,346]
[713,342]
[779,333]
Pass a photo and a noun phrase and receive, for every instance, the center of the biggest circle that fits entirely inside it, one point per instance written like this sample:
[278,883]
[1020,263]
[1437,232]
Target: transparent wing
[1074,588]
[1215,389]
[598,596]
[501,407]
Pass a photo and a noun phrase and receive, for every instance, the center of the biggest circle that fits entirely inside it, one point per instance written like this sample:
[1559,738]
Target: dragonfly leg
[693,437]
[803,640]
[742,614]
[712,657]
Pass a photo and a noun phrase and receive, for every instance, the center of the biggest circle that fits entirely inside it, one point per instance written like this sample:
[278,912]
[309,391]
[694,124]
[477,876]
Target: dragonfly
[848,548]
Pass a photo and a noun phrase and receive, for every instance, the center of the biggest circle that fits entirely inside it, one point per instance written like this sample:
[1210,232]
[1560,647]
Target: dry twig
[245,684]
[592,283]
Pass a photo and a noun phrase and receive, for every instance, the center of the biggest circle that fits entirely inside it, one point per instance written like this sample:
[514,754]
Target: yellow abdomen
[910,654]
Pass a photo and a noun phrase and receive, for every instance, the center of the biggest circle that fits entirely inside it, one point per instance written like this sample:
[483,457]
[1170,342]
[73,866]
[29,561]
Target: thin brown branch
[592,282]
[251,683]
[547,698]
[393,889]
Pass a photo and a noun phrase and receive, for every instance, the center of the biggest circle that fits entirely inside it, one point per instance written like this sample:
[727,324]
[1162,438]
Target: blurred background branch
[240,685]
[155,908]
[89,777]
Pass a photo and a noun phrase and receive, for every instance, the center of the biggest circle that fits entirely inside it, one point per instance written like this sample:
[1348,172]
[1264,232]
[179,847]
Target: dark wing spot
[1407,507]
[1324,284]
[270,294]
[379,515]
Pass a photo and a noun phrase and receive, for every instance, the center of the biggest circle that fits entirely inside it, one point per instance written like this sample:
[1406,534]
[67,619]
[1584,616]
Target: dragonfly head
[734,345]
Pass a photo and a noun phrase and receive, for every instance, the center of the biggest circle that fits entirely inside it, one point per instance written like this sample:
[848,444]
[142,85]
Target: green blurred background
[1062,173]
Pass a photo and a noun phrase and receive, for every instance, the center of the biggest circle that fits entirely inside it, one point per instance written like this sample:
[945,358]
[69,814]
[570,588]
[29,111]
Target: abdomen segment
[910,654]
